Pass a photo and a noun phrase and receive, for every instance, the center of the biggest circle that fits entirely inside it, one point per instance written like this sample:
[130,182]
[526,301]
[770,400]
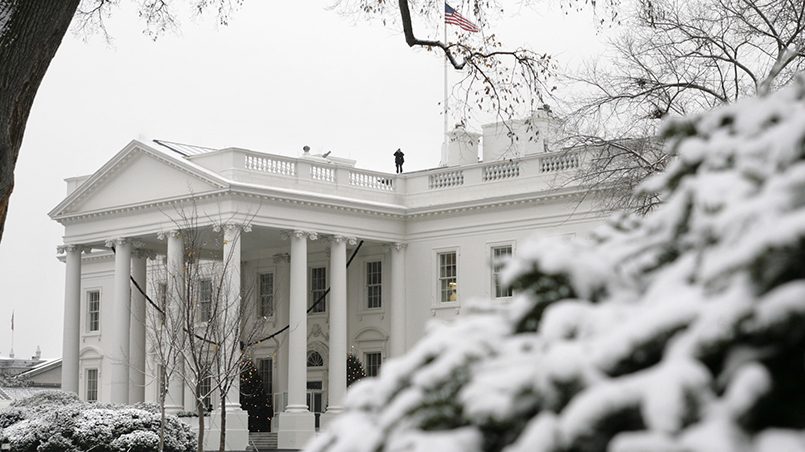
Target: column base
[295,429]
[237,430]
[328,417]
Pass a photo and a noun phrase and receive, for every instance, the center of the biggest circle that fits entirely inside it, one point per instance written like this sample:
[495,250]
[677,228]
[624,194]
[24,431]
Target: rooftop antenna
[326,154]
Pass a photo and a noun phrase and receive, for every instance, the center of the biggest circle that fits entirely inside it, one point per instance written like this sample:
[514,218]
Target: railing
[270,165]
[446,179]
[502,170]
[322,173]
[560,162]
[371,180]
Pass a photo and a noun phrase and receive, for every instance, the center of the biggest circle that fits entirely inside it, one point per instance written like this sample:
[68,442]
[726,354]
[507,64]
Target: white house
[429,241]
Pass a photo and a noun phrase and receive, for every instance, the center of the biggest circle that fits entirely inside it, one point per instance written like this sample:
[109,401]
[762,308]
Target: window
[94,310]
[318,287]
[92,385]
[205,391]
[162,298]
[265,370]
[448,285]
[500,255]
[204,300]
[314,359]
[374,287]
[373,361]
[265,307]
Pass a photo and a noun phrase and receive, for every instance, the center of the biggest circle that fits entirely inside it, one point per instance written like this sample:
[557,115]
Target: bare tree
[677,57]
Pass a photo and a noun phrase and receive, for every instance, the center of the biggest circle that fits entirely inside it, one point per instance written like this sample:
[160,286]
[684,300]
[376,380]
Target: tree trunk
[162,419]
[30,33]
[200,412]
[222,442]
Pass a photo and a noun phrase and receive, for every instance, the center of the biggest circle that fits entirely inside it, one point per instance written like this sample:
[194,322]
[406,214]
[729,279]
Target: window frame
[367,285]
[204,313]
[88,324]
[260,306]
[366,355]
[87,372]
[268,386]
[311,297]
[494,273]
[437,274]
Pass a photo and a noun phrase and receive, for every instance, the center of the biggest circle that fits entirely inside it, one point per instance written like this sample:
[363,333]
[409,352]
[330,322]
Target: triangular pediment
[138,175]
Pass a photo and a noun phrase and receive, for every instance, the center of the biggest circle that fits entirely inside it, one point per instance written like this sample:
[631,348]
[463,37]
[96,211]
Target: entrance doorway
[314,399]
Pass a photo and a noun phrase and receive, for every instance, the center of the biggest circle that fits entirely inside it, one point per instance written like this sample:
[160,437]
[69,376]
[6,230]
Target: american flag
[454,18]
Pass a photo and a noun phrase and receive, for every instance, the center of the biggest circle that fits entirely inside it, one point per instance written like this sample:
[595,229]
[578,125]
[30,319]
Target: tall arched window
[314,359]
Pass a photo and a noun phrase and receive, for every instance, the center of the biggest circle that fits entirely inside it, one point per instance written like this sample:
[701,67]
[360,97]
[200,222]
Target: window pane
[266,306]
[205,299]
[374,272]
[318,286]
[205,391]
[92,385]
[266,374]
[93,310]
[448,284]
[500,255]
[373,361]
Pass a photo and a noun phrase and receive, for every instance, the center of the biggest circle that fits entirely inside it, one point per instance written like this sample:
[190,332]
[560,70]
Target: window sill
[445,306]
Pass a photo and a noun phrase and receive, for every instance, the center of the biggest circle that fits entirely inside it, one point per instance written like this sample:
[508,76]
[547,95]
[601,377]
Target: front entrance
[314,399]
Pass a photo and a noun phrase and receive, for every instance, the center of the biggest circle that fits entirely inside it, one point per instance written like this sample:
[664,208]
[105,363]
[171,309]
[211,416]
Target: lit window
[448,285]
[266,306]
[92,385]
[314,359]
[204,300]
[318,288]
[94,310]
[500,255]
[374,286]
[373,361]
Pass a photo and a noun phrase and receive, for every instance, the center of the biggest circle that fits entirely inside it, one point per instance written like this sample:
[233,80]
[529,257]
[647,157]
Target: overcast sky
[280,76]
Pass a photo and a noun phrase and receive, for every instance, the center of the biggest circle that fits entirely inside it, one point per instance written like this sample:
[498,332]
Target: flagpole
[444,24]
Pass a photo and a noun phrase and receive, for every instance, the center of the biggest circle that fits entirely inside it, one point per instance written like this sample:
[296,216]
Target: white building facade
[427,243]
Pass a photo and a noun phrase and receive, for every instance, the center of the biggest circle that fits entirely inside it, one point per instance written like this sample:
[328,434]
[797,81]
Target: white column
[137,327]
[231,316]
[297,333]
[174,401]
[296,423]
[72,318]
[281,283]
[397,333]
[118,352]
[337,384]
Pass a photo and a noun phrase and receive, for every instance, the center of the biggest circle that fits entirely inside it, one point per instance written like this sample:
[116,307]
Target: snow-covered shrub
[56,425]
[682,331]
[46,398]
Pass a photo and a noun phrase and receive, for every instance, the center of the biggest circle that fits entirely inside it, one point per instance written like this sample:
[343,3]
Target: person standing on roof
[399,159]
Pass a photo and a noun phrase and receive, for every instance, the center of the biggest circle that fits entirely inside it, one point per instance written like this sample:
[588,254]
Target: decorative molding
[118,241]
[163,235]
[299,234]
[139,251]
[67,248]
[396,246]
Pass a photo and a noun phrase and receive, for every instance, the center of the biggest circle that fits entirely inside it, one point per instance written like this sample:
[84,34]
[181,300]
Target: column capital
[232,226]
[117,241]
[282,258]
[351,241]
[163,235]
[297,233]
[397,246]
[139,251]
[61,249]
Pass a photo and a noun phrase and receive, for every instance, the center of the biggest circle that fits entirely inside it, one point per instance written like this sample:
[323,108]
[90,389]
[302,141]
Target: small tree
[253,398]
[355,370]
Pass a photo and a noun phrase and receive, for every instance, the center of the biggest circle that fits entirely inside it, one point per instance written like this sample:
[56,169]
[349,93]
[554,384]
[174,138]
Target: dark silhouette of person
[399,159]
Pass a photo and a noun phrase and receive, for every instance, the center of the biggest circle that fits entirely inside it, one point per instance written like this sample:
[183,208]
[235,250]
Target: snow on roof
[42,367]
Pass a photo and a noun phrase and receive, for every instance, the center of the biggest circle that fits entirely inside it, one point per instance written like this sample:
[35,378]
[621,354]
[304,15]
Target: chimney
[522,137]
[460,147]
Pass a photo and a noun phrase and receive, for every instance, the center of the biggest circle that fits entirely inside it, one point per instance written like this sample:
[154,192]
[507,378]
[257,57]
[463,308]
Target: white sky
[280,76]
